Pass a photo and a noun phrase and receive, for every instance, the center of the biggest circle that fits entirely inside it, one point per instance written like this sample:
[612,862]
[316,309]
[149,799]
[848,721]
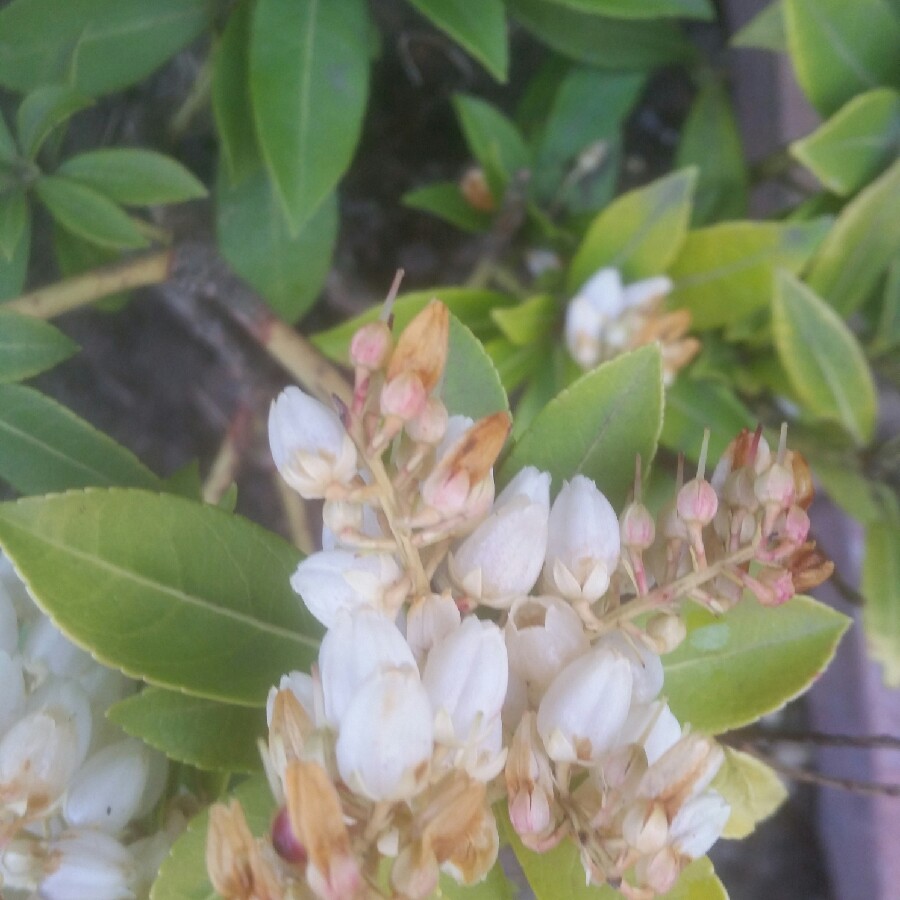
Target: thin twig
[225,466]
[820,739]
[80,290]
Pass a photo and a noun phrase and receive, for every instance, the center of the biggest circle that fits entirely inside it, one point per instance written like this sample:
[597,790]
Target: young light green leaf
[471,383]
[192,730]
[597,426]
[45,447]
[14,270]
[734,668]
[254,236]
[178,593]
[480,29]
[41,111]
[309,77]
[864,241]
[881,589]
[133,177]
[841,49]
[445,200]
[639,233]
[710,140]
[602,41]
[529,322]
[753,791]
[89,215]
[231,103]
[724,272]
[765,31]
[492,139]
[29,346]
[823,359]
[103,45]
[14,215]
[855,144]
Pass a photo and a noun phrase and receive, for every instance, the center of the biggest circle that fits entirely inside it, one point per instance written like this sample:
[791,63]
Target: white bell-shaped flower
[653,726]
[583,544]
[385,741]
[646,666]
[699,824]
[502,558]
[68,701]
[46,644]
[543,634]
[12,689]
[106,791]
[359,646]
[335,580]
[301,686]
[646,291]
[310,446]
[599,302]
[428,621]
[88,864]
[583,711]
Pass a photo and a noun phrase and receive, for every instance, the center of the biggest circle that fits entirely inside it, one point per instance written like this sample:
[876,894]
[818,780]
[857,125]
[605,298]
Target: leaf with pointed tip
[29,346]
[42,110]
[445,200]
[180,594]
[471,383]
[752,789]
[765,31]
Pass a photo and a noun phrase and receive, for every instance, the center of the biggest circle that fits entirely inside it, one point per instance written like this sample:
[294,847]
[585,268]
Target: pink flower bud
[430,425]
[637,528]
[371,345]
[776,486]
[697,502]
[796,525]
[404,396]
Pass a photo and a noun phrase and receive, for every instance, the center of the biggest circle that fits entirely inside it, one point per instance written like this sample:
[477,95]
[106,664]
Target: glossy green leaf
[471,383]
[309,77]
[89,215]
[445,200]
[472,306]
[14,215]
[724,272]
[102,45]
[734,668]
[41,111]
[231,103]
[644,9]
[881,589]
[597,426]
[710,140]
[639,233]
[599,40]
[478,28]
[825,363]
[288,269]
[841,49]
[29,346]
[492,139]
[530,321]
[182,875]
[14,270]
[855,144]
[765,31]
[753,791]
[178,593]
[864,241]
[193,730]
[133,177]
[46,447]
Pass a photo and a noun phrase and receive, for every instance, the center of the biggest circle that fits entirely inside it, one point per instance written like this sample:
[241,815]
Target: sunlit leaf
[753,791]
[471,383]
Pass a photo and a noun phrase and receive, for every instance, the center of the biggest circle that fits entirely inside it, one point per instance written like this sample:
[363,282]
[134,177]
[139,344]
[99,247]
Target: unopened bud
[637,527]
[474,187]
[667,631]
[371,346]
[430,425]
[697,502]
[646,827]
[422,347]
[404,396]
[285,842]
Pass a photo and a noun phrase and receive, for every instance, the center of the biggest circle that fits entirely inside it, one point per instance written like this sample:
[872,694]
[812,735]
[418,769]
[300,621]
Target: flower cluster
[420,714]
[606,318]
[72,786]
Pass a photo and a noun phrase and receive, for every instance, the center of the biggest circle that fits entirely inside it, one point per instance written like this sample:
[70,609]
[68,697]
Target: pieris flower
[699,824]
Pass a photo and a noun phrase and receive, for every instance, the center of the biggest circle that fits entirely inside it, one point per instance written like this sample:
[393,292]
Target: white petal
[699,824]
[89,866]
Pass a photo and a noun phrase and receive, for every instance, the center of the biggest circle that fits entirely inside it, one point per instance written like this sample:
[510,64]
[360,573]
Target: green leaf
[133,177]
[309,77]
[710,140]
[472,306]
[639,233]
[515,363]
[180,594]
[492,139]
[600,41]
[881,588]
[8,149]
[41,111]
[99,45]
[471,384]
[855,144]
[495,886]
[287,269]
[193,730]
[185,482]
[231,102]
[724,272]
[734,668]
[75,255]
[89,215]
[529,322]
[765,31]
[182,875]
[480,29]
[29,346]
[753,791]
[45,447]
[14,215]
[445,200]
[887,332]
[645,9]
[597,426]
[864,241]
[841,49]
[823,359]
[869,501]
[14,270]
